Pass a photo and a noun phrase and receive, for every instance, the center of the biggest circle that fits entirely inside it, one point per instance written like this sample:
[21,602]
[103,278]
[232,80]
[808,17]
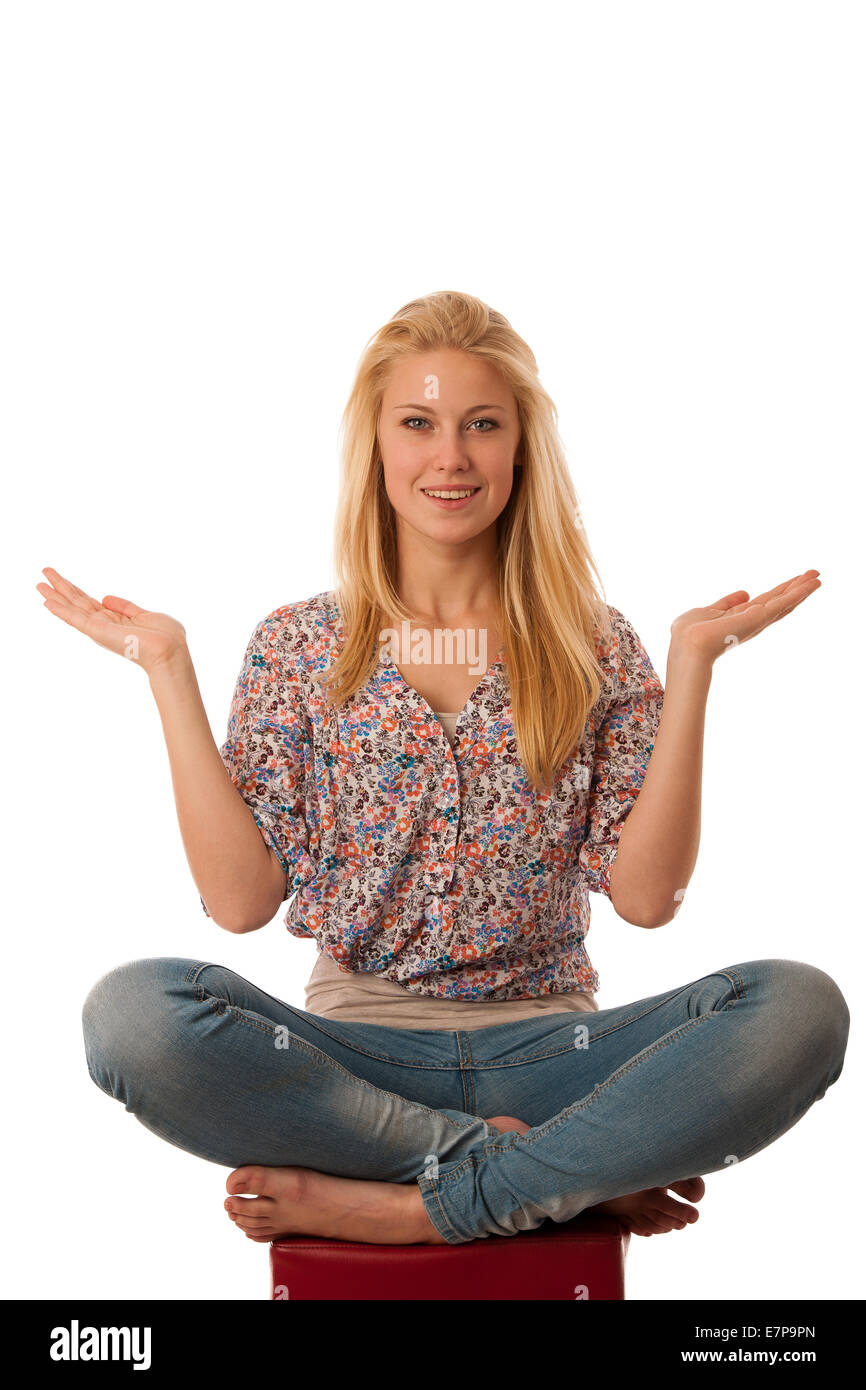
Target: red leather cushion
[579,1259]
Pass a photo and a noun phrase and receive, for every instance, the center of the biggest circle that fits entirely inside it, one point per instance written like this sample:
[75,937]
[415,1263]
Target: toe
[692,1188]
[673,1215]
[639,1226]
[245,1207]
[253,1222]
[646,1227]
[676,1211]
[662,1222]
[249,1179]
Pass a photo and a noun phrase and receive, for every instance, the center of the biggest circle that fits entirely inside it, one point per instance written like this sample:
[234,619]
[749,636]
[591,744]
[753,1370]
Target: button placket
[438,872]
[424,728]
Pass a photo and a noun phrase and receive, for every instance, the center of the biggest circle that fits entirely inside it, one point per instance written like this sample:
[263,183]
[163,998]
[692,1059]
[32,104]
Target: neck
[441,585]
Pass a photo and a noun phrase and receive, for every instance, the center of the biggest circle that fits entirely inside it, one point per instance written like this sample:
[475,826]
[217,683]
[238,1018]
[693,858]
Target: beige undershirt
[360,997]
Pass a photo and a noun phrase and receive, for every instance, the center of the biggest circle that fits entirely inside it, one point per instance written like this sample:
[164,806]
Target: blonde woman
[434,764]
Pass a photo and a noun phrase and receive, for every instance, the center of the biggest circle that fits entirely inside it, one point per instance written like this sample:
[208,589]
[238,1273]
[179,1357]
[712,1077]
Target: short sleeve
[623,745]
[266,749]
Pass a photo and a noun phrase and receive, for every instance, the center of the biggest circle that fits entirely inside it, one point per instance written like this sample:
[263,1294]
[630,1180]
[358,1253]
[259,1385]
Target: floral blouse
[439,868]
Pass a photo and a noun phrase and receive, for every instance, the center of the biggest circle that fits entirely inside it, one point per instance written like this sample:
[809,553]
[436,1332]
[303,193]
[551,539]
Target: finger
[124,606]
[723,604]
[69,613]
[785,603]
[782,591]
[786,597]
[785,586]
[757,615]
[69,591]
[98,624]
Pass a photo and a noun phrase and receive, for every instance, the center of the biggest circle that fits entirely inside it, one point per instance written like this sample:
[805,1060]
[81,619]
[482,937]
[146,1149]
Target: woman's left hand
[708,632]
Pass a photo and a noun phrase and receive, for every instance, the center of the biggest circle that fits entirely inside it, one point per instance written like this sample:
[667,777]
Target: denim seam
[467,1080]
[240,1016]
[314,1022]
[491,1147]
[452,1174]
[550,1128]
[482,1065]
[223,1007]
[735,979]
[378,1056]
[431,1188]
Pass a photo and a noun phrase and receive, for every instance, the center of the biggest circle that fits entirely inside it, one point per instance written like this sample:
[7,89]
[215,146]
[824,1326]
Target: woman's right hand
[151,640]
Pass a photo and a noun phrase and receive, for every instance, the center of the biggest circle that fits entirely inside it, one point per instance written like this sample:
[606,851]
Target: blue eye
[480,421]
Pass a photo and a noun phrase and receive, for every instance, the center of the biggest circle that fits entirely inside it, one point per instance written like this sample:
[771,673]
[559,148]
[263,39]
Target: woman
[437,819]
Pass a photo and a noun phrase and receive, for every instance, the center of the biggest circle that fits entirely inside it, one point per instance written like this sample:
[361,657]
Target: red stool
[579,1259]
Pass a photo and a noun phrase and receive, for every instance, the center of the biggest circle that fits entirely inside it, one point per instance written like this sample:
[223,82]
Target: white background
[208,209]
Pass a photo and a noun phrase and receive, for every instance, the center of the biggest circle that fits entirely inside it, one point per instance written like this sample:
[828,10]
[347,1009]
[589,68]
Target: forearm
[233,868]
[658,844]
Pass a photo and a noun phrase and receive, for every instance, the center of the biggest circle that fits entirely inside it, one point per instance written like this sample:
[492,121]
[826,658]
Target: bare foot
[651,1212]
[302,1201]
[654,1211]
[295,1201]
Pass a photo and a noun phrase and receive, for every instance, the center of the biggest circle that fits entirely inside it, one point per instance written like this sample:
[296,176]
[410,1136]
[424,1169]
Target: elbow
[249,916]
[229,924]
[660,918]
[631,911]
[668,912]
[236,924]
[239,923]
[639,910]
[642,915]
[239,926]
[643,920]
[650,924]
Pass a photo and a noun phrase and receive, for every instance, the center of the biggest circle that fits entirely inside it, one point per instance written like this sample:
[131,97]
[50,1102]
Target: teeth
[450,496]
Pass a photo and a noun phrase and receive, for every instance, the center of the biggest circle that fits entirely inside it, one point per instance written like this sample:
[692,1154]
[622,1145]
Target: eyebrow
[413,405]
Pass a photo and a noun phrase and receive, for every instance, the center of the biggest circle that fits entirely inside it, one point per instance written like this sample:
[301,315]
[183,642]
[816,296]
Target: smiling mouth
[450,494]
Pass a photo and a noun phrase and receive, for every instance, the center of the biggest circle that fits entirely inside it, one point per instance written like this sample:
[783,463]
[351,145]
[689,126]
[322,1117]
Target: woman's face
[448,422]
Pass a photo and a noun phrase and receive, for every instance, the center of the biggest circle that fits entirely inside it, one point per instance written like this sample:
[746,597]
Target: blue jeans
[671,1086]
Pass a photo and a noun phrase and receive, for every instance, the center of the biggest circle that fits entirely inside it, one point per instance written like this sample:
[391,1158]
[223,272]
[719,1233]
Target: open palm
[735,618]
[144,637]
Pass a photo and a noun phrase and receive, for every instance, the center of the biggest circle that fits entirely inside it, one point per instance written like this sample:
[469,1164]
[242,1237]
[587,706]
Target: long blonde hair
[549,605]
